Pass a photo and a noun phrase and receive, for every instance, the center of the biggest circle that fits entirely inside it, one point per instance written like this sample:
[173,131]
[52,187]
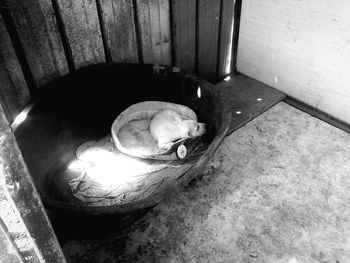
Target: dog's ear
[186,118]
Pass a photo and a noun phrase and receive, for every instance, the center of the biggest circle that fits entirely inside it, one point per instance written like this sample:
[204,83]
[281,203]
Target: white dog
[168,126]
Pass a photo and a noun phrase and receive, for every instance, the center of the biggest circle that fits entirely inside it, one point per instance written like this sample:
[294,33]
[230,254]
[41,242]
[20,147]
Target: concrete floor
[278,190]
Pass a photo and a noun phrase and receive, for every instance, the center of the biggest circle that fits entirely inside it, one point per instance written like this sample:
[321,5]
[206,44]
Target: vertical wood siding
[37,29]
[81,24]
[54,37]
[119,27]
[14,93]
[208,37]
[154,21]
[184,34]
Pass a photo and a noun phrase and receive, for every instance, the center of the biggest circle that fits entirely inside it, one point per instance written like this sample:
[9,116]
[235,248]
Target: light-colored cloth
[108,177]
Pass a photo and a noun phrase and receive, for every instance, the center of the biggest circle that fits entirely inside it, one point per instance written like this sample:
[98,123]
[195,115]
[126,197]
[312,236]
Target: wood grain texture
[81,24]
[208,37]
[37,28]
[14,93]
[226,34]
[301,48]
[17,186]
[119,25]
[8,250]
[184,34]
[154,22]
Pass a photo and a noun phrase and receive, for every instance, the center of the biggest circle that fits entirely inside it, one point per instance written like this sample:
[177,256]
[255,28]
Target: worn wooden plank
[82,27]
[165,31]
[184,33]
[14,228]
[13,87]
[154,22]
[226,34]
[119,28]
[18,186]
[301,48]
[8,249]
[208,37]
[37,29]
[248,98]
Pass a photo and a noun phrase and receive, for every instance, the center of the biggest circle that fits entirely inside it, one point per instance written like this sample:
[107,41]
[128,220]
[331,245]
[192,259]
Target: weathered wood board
[226,35]
[301,48]
[82,27]
[154,22]
[37,29]
[208,37]
[54,37]
[14,93]
[17,187]
[119,28]
[184,34]
[8,251]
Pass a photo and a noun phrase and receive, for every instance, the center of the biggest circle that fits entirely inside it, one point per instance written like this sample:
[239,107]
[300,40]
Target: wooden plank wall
[208,34]
[44,39]
[118,25]
[22,214]
[36,26]
[154,27]
[184,32]
[82,28]
[301,48]
[14,93]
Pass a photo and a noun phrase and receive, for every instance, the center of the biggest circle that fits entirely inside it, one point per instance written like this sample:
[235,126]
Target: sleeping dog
[168,126]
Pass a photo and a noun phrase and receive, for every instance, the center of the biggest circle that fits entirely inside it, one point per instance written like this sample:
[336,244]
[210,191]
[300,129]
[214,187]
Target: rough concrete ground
[278,190]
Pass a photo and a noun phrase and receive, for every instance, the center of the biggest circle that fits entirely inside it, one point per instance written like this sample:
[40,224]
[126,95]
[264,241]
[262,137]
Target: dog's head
[194,129]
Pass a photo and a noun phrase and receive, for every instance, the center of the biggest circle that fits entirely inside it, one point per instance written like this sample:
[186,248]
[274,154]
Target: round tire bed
[72,123]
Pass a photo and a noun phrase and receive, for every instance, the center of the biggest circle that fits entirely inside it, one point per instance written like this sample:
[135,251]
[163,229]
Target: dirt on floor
[277,190]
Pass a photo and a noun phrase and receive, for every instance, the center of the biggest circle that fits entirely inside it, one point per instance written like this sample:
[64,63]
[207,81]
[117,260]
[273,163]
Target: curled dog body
[168,126]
